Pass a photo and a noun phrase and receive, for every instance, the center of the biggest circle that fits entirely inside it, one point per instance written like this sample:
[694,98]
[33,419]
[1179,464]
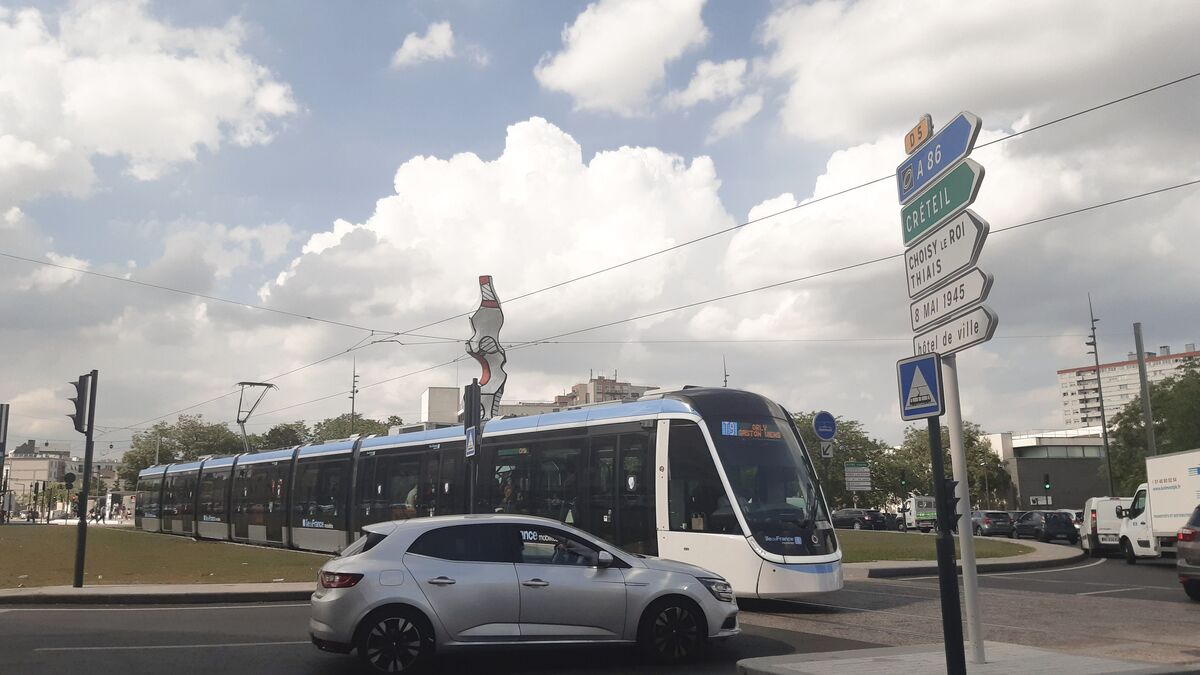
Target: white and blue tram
[715,477]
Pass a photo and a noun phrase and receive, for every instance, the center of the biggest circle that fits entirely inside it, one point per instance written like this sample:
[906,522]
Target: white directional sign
[827,449]
[968,330]
[951,299]
[858,476]
[952,248]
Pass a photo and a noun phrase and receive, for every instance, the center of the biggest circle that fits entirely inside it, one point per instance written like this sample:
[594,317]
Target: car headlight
[720,588]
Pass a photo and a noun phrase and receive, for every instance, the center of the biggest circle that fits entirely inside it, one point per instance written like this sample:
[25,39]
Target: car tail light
[339,579]
[987,521]
[1093,519]
[1187,534]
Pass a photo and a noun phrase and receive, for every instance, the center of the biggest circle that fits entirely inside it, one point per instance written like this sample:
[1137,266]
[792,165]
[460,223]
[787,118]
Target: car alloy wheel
[857,525]
[978,531]
[396,642]
[672,631]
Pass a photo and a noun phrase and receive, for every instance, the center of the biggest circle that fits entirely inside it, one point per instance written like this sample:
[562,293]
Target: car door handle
[441,581]
[535,583]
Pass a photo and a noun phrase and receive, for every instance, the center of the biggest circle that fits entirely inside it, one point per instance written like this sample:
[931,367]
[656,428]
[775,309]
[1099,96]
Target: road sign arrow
[970,329]
[936,156]
[943,200]
[950,300]
[945,253]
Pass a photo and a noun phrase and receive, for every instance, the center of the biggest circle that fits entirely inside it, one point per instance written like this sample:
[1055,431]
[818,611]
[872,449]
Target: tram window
[696,497]
[147,503]
[555,489]
[212,495]
[320,494]
[391,491]
[510,480]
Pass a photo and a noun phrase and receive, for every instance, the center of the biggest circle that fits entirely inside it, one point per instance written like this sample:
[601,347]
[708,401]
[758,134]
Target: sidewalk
[1003,659]
[159,593]
[1044,555]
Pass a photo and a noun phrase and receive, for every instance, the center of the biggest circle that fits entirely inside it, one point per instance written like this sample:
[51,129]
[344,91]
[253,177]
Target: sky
[362,164]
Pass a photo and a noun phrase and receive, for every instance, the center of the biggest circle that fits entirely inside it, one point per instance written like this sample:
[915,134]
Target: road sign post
[970,329]
[943,200]
[936,156]
[946,253]
[858,476]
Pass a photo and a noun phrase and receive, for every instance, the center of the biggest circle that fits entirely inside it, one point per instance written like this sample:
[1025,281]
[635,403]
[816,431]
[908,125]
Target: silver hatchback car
[409,588]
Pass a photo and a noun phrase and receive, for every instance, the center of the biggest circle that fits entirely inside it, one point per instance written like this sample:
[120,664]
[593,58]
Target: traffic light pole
[81,538]
[966,534]
[956,663]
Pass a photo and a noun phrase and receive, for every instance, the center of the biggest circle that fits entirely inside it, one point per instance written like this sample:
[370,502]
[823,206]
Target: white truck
[1160,506]
[920,513]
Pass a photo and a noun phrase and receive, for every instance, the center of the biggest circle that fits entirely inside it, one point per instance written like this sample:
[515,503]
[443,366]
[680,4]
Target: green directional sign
[943,200]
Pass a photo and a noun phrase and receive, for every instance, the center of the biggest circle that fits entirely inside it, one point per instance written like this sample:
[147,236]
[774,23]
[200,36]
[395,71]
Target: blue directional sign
[936,156]
[920,379]
[825,425]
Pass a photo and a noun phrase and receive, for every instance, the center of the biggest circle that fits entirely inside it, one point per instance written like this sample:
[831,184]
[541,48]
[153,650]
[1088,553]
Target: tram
[711,476]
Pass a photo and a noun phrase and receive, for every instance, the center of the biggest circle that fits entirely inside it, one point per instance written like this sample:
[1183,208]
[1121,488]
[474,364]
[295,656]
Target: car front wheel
[672,631]
[1127,550]
[858,525]
[396,640]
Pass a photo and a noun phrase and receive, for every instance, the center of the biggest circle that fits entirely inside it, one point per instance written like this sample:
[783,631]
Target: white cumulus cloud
[617,51]
[739,113]
[711,82]
[115,81]
[437,44]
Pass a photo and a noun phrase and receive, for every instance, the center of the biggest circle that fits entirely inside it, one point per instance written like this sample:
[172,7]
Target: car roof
[422,524]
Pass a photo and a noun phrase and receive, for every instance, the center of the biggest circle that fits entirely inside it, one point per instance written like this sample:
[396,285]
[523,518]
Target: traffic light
[80,399]
[951,496]
[1046,481]
[35,489]
[903,478]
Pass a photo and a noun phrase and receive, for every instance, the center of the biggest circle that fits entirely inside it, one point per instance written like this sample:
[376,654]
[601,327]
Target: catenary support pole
[966,541]
[1147,416]
[956,663]
[81,539]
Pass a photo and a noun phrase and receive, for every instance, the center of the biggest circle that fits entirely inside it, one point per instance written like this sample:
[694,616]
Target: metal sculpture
[484,346]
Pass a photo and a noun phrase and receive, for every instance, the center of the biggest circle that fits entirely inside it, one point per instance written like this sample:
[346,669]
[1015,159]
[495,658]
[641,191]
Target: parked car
[407,589]
[891,521]
[987,523]
[1046,526]
[1076,518]
[1187,555]
[1101,527]
[859,519]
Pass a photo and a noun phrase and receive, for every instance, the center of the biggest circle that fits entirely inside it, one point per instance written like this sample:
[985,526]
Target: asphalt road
[272,638]
[1147,580]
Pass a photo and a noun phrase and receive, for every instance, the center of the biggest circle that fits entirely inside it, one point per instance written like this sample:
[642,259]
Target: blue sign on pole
[470,442]
[920,380]
[825,426]
[936,156]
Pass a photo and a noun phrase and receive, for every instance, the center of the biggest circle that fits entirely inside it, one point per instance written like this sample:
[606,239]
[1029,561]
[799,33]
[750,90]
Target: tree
[340,427]
[1175,405]
[984,467]
[189,438]
[852,444]
[282,436]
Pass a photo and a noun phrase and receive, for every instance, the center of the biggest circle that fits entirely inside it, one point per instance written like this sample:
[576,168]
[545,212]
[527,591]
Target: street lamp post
[1095,352]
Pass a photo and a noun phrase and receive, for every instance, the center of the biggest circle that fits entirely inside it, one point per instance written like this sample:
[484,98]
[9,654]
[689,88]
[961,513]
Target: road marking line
[129,647]
[1113,590]
[147,609]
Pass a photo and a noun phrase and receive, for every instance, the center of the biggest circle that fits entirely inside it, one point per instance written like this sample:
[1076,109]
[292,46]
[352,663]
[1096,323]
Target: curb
[154,598]
[980,566]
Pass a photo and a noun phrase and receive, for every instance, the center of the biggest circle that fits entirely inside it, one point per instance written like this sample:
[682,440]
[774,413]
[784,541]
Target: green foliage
[282,436]
[911,460]
[189,438]
[1175,405]
[343,426]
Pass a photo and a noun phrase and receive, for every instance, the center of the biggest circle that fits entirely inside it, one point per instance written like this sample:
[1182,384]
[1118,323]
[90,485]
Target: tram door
[277,475]
[622,491]
[241,500]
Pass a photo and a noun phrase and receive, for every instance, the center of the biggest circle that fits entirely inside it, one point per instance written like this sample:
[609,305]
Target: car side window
[548,546]
[1026,518]
[467,543]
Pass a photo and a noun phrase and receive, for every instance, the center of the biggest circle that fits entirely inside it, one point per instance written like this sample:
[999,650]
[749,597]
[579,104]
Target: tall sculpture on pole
[484,346]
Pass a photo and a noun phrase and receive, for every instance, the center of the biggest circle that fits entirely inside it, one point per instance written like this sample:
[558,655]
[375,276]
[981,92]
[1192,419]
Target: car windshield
[773,485]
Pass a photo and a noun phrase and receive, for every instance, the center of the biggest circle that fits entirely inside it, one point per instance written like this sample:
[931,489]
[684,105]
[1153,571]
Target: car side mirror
[604,560]
[1120,512]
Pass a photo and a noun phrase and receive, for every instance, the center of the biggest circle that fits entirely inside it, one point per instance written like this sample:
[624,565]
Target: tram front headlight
[720,588]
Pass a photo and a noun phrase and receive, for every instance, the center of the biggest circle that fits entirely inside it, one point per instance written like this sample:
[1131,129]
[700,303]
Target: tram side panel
[319,518]
[146,510]
[259,499]
[213,499]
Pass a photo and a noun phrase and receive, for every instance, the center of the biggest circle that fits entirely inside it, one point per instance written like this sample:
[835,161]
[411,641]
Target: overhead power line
[811,202]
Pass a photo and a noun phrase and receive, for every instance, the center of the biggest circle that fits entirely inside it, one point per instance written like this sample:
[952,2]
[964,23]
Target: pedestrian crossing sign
[920,379]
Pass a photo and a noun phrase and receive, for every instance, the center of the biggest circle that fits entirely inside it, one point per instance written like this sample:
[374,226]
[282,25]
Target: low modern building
[1080,391]
[1073,460]
[600,389]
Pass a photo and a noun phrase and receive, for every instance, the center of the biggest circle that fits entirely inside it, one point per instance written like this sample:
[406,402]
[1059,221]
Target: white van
[1100,530]
[920,513]
[1161,505]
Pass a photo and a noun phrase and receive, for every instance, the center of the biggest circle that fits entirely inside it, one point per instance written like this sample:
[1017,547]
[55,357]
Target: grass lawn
[44,555]
[866,546]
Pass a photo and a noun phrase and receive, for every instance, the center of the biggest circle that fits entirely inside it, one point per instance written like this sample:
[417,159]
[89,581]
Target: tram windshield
[773,485]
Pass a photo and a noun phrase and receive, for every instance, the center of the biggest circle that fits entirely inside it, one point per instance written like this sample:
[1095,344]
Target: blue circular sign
[825,426]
